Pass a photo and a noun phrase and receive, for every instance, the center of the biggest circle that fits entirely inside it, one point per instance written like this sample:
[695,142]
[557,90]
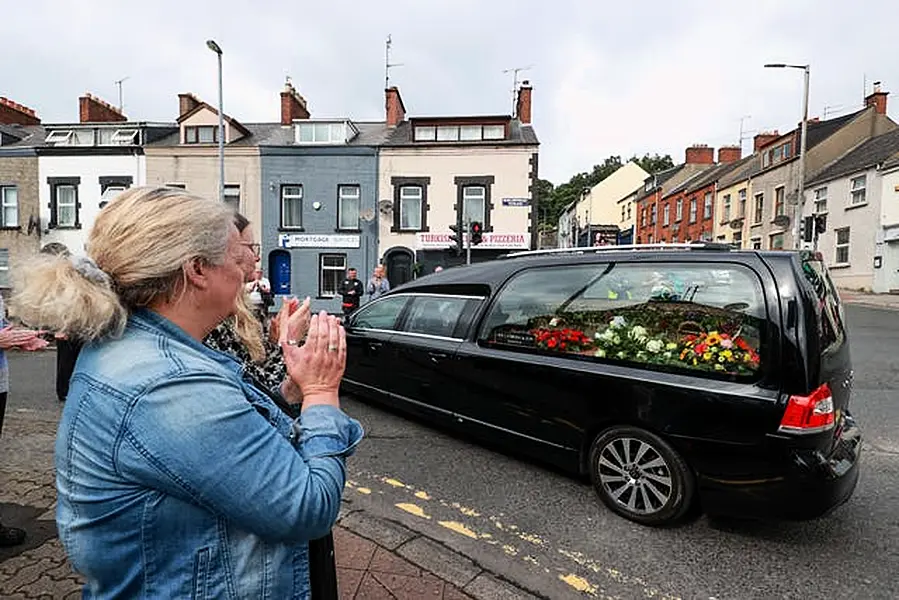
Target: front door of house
[399,267]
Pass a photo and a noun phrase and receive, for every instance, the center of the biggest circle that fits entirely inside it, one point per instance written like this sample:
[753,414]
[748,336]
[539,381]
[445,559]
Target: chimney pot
[729,154]
[186,103]
[523,103]
[877,99]
[700,154]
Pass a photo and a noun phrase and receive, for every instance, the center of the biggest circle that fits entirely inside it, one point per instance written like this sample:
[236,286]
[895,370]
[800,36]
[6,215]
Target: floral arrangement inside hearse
[672,334]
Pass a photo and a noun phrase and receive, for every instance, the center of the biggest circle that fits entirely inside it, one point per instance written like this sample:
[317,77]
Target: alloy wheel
[635,475]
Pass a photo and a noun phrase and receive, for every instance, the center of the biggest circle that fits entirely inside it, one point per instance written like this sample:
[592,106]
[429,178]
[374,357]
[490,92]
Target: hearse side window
[435,315]
[382,314]
[681,316]
[830,323]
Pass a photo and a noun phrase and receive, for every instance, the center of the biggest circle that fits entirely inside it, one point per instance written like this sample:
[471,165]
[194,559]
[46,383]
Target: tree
[553,199]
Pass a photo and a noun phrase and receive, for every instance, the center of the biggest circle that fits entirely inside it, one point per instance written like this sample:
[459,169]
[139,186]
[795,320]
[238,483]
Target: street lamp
[800,201]
[217,49]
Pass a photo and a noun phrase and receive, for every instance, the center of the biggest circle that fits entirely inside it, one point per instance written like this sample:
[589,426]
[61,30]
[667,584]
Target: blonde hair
[141,241]
[248,329]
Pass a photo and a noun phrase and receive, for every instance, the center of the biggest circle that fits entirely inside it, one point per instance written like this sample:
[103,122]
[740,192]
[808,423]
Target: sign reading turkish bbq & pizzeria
[505,241]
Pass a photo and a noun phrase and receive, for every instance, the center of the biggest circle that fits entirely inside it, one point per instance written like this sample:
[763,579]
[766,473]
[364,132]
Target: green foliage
[552,200]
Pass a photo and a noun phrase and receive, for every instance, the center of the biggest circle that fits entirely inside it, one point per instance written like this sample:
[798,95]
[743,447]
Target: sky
[609,78]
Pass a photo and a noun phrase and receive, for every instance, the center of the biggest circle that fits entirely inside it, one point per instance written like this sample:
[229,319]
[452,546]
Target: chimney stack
[95,110]
[13,113]
[729,154]
[763,139]
[293,105]
[394,107]
[700,154]
[186,103]
[523,104]
[877,99]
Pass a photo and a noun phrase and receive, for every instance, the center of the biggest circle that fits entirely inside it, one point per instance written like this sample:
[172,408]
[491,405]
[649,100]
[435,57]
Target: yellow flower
[727,354]
[713,339]
[707,356]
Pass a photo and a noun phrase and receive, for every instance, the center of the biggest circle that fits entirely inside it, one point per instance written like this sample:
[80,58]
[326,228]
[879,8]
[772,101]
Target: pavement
[376,557]
[885,301]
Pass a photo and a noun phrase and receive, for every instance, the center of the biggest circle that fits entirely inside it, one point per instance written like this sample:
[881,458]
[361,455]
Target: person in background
[260,291]
[378,284]
[174,472]
[20,339]
[350,291]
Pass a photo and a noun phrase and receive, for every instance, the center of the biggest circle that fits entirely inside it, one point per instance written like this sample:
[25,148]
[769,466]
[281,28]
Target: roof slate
[871,153]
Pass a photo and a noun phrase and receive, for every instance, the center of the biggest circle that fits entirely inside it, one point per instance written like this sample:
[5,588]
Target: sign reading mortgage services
[505,241]
[311,240]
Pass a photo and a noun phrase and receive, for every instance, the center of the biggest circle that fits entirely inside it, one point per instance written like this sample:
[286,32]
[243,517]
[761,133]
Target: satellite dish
[386,206]
[782,221]
[367,215]
[736,224]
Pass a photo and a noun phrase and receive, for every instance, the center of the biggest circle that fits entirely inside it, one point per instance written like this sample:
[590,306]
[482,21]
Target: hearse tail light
[809,414]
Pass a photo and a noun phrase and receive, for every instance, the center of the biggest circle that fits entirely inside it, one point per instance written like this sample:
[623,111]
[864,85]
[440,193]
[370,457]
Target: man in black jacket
[351,291]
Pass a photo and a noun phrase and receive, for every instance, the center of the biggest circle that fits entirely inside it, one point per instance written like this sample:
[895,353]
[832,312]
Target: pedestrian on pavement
[260,290]
[176,475]
[351,291]
[378,283]
[21,339]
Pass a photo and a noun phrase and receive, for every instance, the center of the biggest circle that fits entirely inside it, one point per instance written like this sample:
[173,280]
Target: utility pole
[119,83]
[387,64]
[221,132]
[515,71]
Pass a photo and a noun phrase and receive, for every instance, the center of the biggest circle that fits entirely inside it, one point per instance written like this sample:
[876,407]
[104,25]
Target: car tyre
[639,476]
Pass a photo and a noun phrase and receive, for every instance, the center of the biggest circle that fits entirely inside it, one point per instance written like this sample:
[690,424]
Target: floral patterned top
[270,372]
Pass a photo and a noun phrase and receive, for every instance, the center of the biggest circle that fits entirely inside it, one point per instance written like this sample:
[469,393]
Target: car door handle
[436,356]
[375,345]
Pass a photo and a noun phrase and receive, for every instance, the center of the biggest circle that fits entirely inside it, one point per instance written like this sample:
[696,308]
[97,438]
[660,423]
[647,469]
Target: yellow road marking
[422,495]
[459,528]
[363,490]
[412,509]
[579,583]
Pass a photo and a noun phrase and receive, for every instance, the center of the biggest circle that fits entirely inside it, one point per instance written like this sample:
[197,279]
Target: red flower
[700,348]
[551,343]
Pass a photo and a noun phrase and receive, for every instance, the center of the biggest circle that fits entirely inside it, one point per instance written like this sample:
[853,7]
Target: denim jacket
[177,478]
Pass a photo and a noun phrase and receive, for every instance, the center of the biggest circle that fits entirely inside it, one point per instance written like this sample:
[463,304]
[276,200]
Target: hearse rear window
[664,315]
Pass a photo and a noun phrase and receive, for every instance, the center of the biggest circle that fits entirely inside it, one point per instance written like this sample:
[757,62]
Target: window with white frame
[348,206]
[693,210]
[653,213]
[821,200]
[325,133]
[725,209]
[9,206]
[666,215]
[65,205]
[742,195]
[779,201]
[232,196]
[842,235]
[291,206]
[679,210]
[759,211]
[4,268]
[332,269]
[857,190]
[410,207]
[707,206]
[474,203]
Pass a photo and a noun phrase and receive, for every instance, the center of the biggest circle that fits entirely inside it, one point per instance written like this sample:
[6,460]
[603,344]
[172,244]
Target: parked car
[633,365]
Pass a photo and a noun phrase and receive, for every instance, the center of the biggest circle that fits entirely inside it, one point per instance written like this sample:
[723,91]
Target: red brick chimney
[394,107]
[523,104]
[729,154]
[877,99]
[763,139]
[12,113]
[700,154]
[186,103]
[293,106]
[95,110]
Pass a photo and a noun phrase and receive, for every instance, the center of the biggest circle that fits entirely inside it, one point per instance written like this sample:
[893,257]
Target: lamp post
[221,133]
[800,201]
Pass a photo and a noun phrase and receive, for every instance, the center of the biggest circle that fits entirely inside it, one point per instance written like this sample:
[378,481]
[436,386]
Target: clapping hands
[317,366]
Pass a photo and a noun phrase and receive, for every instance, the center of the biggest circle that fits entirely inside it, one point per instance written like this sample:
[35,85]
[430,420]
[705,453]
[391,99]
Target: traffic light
[820,224]
[807,227]
[456,239]
[477,230]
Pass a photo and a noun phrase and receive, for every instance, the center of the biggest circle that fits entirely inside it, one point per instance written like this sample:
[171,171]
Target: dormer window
[60,138]
[458,133]
[124,137]
[200,134]
[313,132]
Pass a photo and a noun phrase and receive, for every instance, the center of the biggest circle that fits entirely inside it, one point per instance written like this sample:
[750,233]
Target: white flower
[638,333]
[655,346]
[618,322]
[554,321]
[600,353]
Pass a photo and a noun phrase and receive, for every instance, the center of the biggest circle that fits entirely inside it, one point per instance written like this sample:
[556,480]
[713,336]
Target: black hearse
[670,374]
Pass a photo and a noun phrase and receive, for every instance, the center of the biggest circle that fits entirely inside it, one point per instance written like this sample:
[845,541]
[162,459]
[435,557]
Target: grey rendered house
[319,180]
[855,197]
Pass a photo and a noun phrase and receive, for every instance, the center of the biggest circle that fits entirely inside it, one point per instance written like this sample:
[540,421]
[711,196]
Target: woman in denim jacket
[176,477]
